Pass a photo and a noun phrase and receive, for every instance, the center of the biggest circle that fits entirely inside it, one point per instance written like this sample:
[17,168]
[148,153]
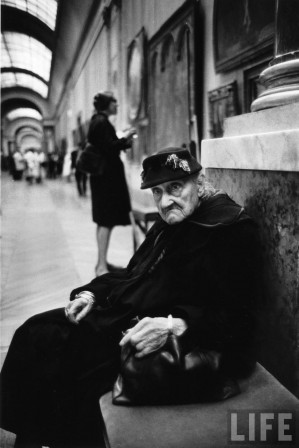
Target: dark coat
[109,192]
[204,270]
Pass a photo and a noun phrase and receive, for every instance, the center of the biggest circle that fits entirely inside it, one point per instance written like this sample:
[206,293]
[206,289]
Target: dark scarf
[216,211]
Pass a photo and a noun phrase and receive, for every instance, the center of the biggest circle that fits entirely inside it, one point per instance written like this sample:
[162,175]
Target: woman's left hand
[150,334]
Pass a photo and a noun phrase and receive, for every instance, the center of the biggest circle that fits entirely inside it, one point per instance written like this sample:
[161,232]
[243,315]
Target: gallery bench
[202,425]
[143,217]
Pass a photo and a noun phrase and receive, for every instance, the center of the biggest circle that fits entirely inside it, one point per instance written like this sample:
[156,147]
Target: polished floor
[48,248]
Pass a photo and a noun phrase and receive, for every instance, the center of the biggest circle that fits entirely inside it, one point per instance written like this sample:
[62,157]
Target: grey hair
[205,188]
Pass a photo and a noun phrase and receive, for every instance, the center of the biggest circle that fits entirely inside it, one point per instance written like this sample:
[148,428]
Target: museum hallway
[48,248]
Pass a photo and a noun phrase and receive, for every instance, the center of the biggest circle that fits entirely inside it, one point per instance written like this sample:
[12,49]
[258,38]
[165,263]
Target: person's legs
[103,238]
[51,382]
[78,182]
[84,180]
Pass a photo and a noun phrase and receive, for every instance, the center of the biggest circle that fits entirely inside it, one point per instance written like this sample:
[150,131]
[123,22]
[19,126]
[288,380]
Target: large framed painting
[136,75]
[243,30]
[223,103]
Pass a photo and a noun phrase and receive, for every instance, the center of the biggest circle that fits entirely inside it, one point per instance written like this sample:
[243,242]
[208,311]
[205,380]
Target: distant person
[18,165]
[32,164]
[109,192]
[40,155]
[60,163]
[52,165]
[81,178]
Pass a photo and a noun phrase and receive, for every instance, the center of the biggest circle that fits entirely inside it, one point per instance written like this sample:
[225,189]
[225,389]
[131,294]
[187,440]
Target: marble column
[281,79]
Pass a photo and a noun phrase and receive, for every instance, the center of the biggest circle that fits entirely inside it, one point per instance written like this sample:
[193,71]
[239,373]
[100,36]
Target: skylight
[45,10]
[24,112]
[15,79]
[23,51]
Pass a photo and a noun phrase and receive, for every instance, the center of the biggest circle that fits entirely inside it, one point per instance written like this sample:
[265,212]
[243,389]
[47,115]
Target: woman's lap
[53,375]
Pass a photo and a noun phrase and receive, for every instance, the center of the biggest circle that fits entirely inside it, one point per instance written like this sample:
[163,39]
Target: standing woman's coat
[109,191]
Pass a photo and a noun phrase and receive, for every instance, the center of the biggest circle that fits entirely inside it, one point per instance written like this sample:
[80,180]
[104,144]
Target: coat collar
[219,210]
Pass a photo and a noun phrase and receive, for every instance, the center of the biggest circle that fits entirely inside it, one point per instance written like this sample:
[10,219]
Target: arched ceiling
[13,98]
[28,112]
[14,126]
[48,31]
[28,40]
[22,136]
[28,129]
[15,103]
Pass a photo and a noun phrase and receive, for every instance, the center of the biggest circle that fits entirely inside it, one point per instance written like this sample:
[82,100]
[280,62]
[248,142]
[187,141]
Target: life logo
[262,428]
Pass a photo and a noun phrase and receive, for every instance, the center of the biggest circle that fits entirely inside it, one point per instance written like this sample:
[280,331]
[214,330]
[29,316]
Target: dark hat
[167,165]
[102,100]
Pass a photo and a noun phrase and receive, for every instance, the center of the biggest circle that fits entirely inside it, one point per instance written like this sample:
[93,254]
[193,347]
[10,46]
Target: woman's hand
[80,307]
[151,333]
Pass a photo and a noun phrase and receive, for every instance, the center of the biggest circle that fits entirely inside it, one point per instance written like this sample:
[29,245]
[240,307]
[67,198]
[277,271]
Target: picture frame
[136,76]
[223,103]
[243,31]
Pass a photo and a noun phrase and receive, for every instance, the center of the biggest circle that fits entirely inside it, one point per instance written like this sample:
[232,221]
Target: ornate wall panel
[171,83]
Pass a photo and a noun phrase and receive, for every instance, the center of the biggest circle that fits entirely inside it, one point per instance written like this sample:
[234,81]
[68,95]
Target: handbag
[91,161]
[171,375]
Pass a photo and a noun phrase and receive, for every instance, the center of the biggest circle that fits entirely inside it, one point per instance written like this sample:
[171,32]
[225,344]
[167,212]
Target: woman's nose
[166,200]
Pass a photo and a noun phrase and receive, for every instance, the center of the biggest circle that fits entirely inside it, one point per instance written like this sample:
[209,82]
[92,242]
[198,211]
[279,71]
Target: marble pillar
[281,79]
[257,164]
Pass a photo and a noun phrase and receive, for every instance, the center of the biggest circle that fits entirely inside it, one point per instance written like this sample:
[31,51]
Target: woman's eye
[175,188]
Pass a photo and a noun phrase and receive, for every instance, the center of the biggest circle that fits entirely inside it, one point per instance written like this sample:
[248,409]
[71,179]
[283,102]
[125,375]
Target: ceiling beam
[16,20]
[22,70]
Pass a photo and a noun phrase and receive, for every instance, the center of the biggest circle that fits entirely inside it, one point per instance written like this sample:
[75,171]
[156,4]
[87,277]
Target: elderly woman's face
[176,200]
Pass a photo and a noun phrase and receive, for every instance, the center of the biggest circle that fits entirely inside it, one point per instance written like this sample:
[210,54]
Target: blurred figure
[18,165]
[52,165]
[109,192]
[67,169]
[40,156]
[81,178]
[32,164]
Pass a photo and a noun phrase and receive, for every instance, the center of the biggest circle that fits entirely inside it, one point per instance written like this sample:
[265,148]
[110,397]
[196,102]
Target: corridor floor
[48,248]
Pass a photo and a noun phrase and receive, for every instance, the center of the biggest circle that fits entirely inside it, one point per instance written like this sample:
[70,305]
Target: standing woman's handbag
[91,161]
[171,376]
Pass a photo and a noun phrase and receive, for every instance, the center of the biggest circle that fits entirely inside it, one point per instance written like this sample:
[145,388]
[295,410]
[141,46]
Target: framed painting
[136,75]
[243,30]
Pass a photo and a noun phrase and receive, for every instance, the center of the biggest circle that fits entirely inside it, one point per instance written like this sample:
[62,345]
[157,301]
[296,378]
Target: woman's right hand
[79,308]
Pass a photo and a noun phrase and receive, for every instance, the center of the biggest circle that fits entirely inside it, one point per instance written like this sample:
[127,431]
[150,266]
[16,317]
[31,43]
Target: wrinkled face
[176,200]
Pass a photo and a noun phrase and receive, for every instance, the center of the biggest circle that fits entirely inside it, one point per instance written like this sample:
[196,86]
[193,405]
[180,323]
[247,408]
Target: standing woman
[109,191]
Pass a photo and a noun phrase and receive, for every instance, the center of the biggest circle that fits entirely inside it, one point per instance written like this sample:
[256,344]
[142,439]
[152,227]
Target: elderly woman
[198,263]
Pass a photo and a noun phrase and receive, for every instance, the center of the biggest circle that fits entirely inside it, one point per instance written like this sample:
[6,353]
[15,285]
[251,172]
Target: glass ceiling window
[45,10]
[14,79]
[23,51]
[24,112]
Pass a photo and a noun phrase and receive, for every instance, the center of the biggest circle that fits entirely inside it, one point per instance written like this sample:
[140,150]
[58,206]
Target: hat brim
[165,175]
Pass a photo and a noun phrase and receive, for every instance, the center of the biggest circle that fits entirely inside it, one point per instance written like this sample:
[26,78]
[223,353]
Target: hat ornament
[174,162]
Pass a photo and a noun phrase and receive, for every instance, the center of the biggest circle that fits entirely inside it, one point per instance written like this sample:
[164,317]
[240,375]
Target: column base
[282,86]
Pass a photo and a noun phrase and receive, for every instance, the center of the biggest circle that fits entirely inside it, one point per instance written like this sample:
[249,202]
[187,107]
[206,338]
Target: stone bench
[202,425]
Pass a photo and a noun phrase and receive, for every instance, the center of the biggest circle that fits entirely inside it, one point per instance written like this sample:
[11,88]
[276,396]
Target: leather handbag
[91,161]
[171,376]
